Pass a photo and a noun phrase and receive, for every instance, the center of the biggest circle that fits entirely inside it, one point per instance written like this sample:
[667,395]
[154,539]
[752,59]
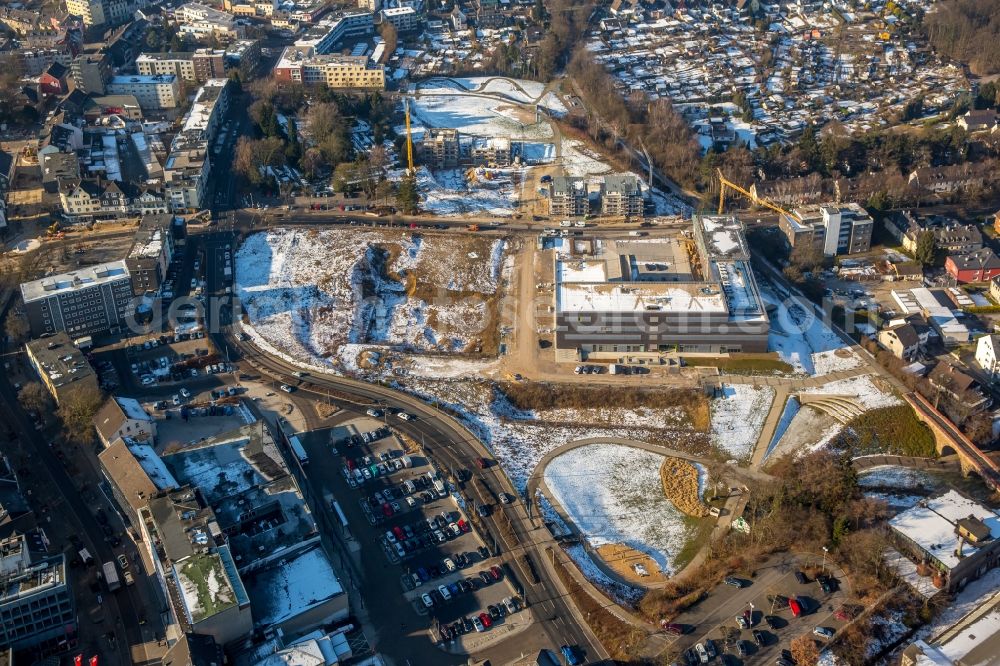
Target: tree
[34,398]
[293,152]
[16,328]
[804,650]
[76,411]
[407,198]
[926,248]
[311,162]
[390,37]
[244,160]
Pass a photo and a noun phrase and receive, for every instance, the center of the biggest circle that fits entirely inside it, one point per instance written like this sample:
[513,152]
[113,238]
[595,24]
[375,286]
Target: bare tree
[76,411]
[34,397]
[804,650]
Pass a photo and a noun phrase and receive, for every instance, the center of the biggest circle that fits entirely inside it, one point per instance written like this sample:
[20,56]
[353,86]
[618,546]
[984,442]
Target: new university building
[692,293]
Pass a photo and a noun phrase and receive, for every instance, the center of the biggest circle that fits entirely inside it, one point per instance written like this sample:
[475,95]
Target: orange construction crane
[409,138]
[725,182]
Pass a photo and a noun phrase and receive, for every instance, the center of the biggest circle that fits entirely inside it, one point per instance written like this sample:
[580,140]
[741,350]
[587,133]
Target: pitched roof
[124,469]
[951,378]
[981,259]
[906,334]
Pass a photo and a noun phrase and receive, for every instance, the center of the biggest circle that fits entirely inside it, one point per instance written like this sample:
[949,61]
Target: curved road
[449,444]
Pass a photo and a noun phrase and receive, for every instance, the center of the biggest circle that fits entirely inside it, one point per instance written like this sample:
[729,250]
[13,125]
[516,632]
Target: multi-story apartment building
[104,12]
[208,64]
[834,229]
[494,151]
[621,196]
[88,301]
[36,600]
[439,148]
[568,196]
[327,35]
[404,19]
[158,91]
[150,254]
[304,65]
[91,73]
[203,22]
[179,64]
[62,368]
[188,165]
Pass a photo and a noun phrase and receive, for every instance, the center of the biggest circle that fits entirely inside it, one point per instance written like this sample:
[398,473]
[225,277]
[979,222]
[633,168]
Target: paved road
[444,439]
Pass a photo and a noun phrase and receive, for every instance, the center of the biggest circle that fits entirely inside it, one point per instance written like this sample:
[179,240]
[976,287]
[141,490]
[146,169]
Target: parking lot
[754,622]
[445,572]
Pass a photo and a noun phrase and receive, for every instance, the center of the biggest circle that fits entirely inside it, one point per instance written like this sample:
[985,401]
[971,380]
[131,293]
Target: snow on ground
[862,388]
[895,501]
[309,294]
[580,161]
[973,596]
[26,245]
[738,416]
[788,414]
[437,105]
[614,495]
[447,192]
[894,476]
[621,593]
[803,340]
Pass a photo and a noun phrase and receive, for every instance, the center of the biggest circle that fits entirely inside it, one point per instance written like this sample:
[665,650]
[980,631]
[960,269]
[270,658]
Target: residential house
[53,81]
[568,197]
[950,179]
[962,388]
[621,196]
[124,418]
[995,289]
[458,19]
[901,340]
[978,266]
[976,120]
[988,355]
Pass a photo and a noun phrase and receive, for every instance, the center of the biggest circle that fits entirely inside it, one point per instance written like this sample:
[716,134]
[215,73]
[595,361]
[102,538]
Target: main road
[445,440]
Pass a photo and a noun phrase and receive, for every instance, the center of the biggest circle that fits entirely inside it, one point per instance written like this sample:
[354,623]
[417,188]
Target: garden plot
[613,495]
[738,416]
[310,295]
[803,340]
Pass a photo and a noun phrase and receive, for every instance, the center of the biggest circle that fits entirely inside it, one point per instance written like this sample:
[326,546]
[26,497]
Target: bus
[111,576]
[298,450]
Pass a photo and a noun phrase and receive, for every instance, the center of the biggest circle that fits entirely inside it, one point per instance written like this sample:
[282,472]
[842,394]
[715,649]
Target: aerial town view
[499,332]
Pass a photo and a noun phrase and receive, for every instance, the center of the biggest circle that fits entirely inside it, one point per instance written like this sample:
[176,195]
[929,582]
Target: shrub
[895,430]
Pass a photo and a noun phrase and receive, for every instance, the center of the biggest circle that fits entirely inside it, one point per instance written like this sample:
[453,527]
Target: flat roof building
[93,300]
[620,297]
[36,601]
[955,535]
[156,91]
[148,258]
[833,229]
[61,367]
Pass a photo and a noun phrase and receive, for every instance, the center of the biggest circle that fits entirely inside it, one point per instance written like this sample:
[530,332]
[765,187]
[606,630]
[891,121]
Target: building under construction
[633,297]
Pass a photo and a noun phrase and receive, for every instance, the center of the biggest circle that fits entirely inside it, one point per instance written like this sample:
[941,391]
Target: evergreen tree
[406,196]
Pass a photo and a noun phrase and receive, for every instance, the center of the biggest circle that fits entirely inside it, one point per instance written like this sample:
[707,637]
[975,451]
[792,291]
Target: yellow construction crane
[725,182]
[409,138]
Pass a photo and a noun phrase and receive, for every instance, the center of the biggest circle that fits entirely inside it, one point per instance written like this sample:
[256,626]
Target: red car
[795,606]
[485,619]
[399,533]
[495,572]
[387,510]
[464,526]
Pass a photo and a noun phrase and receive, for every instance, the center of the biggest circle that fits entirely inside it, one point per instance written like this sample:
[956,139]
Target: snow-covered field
[803,340]
[614,495]
[738,416]
[440,103]
[447,192]
[313,294]
[893,476]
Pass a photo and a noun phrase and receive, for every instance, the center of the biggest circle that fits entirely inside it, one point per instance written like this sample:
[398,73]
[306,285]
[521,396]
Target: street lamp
[825,551]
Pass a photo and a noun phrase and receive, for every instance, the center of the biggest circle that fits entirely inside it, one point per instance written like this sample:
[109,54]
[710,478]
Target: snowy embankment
[738,416]
[613,495]
[802,340]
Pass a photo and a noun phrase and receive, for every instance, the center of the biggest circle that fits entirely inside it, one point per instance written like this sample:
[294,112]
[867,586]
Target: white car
[405,416]
[286,388]
[371,411]
[444,592]
[148,380]
[176,400]
[185,393]
[426,598]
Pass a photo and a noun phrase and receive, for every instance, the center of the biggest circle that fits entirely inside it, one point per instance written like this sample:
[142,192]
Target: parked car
[823,632]
[286,388]
[735,582]
[569,654]
[801,578]
[426,598]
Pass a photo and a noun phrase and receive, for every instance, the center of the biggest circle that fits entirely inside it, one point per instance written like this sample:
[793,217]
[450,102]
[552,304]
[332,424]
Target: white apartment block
[104,12]
[334,71]
[404,19]
[179,64]
[159,91]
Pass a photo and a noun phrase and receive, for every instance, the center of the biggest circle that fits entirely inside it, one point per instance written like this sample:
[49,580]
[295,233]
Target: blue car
[569,654]
[454,589]
[424,576]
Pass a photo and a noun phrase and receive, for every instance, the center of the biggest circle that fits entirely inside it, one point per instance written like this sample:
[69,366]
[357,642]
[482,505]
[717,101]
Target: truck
[439,488]
[407,461]
[614,369]
[86,557]
[111,576]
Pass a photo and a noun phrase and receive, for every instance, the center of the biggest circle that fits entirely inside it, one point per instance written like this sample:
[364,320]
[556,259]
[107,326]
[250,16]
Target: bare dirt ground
[624,560]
